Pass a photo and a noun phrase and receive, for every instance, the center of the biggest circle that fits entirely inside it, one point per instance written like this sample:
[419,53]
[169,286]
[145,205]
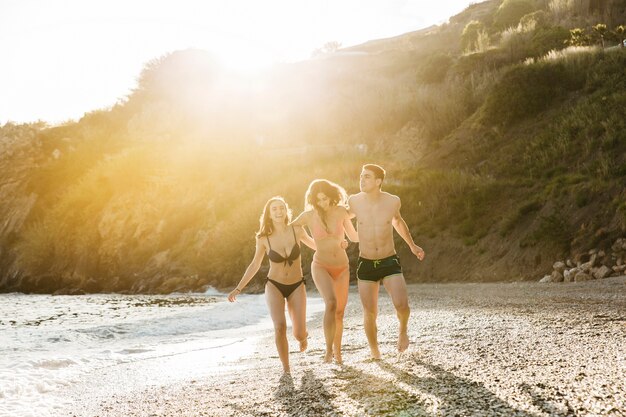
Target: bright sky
[62,58]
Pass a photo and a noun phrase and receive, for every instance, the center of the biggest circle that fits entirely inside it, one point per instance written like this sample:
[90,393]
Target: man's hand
[419,252]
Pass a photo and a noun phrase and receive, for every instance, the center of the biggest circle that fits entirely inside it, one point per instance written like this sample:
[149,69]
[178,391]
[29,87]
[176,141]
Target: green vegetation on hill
[507,149]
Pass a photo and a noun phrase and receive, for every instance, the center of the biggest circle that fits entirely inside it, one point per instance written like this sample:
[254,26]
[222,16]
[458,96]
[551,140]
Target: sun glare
[243,59]
[69,57]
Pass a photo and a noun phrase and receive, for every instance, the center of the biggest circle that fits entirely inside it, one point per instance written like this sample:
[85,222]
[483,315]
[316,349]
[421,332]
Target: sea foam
[54,345]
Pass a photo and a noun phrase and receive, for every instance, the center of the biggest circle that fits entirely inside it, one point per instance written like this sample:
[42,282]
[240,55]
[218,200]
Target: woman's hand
[344,244]
[233,294]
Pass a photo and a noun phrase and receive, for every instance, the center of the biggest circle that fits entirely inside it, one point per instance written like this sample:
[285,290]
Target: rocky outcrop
[20,152]
[594,264]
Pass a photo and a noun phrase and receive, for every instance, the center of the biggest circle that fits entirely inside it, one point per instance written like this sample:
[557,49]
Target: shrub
[539,19]
[554,228]
[470,35]
[511,11]
[546,39]
[434,68]
[526,90]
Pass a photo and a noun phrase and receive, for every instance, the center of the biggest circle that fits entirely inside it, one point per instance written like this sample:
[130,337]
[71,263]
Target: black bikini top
[278,258]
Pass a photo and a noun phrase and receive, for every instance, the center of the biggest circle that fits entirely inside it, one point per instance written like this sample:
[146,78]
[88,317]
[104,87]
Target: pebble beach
[498,349]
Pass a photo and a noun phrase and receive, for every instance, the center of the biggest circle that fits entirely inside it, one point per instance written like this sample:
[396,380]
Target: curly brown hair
[334,192]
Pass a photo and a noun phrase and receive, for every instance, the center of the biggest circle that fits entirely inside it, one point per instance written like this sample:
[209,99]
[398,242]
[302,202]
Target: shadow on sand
[311,399]
[438,393]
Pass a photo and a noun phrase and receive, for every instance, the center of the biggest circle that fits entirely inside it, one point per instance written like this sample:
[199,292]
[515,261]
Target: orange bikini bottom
[333,271]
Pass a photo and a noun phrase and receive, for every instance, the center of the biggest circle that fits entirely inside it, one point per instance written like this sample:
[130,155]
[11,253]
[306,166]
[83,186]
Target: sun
[242,57]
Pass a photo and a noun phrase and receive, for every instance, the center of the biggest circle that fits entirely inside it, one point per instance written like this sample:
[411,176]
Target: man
[377,214]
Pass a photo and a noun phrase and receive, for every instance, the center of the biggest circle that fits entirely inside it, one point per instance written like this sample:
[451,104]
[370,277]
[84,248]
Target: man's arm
[403,230]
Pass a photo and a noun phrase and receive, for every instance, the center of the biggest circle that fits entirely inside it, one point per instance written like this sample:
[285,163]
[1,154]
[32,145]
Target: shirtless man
[377,214]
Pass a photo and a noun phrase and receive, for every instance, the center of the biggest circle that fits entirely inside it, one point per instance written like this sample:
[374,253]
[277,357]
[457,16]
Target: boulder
[547,278]
[582,276]
[586,266]
[609,261]
[568,275]
[556,276]
[559,267]
[602,272]
[581,258]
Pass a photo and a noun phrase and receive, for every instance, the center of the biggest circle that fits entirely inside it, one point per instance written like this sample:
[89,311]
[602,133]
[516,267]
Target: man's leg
[368,291]
[396,288]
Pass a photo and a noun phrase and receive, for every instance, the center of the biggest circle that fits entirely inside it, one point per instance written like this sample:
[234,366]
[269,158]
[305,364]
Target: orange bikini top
[319,232]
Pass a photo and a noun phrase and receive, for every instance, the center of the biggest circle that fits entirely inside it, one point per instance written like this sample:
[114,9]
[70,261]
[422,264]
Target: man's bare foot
[328,358]
[375,353]
[403,342]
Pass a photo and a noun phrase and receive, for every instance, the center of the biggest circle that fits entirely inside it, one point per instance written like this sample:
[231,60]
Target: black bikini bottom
[285,289]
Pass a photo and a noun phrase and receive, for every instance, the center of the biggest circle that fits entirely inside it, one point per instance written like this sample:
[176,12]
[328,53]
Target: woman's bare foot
[328,358]
[304,343]
[338,358]
[403,342]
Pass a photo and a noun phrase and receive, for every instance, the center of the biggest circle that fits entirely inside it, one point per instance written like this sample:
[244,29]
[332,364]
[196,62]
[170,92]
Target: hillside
[507,147]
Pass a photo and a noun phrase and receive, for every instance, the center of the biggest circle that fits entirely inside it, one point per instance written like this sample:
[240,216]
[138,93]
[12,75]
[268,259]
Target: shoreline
[500,349]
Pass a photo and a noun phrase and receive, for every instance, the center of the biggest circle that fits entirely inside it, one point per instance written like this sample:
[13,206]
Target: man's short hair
[378,171]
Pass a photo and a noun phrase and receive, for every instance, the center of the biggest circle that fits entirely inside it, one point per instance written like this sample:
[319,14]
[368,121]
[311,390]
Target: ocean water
[54,349]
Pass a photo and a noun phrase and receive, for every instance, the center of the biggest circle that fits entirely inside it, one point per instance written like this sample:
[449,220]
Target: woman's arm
[252,269]
[305,238]
[302,219]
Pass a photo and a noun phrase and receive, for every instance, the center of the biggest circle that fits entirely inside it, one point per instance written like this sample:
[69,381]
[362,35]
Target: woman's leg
[341,287]
[324,284]
[296,304]
[276,305]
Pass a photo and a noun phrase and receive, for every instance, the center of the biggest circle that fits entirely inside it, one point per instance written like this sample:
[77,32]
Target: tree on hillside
[511,11]
[620,34]
[328,48]
[537,19]
[470,35]
[578,37]
[600,33]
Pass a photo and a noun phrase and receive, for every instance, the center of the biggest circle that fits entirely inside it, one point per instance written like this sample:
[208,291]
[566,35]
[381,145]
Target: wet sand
[504,349]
